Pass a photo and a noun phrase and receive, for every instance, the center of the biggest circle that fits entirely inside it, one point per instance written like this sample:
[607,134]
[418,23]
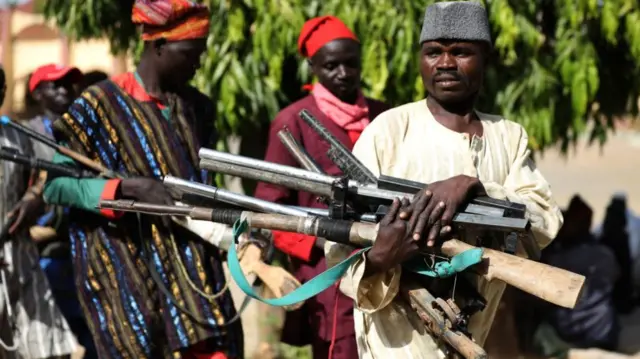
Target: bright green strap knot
[457,264]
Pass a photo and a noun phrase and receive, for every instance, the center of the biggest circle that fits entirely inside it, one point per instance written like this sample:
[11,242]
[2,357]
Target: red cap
[319,31]
[52,72]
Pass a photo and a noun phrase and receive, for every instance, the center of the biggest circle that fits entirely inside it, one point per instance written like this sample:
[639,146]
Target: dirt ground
[596,174]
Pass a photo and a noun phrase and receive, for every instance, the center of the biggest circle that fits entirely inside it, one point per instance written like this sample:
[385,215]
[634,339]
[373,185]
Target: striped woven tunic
[116,256]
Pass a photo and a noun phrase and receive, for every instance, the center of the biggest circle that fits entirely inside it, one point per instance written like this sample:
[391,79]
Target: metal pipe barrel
[229,197]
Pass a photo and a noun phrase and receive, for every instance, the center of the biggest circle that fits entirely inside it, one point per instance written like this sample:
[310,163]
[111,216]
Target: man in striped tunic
[148,289]
[31,324]
[461,153]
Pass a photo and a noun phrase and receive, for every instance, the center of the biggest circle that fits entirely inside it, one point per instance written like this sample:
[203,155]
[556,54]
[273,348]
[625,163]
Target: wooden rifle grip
[552,284]
[277,279]
[422,301]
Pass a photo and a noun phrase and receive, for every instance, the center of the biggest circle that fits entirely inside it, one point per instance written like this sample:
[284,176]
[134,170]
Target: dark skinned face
[452,72]
[56,96]
[337,66]
[177,61]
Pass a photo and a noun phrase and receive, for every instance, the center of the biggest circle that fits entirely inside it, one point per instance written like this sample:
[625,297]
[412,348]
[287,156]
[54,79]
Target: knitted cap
[456,20]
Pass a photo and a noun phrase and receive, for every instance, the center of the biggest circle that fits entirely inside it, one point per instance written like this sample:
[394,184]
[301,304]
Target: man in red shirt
[336,101]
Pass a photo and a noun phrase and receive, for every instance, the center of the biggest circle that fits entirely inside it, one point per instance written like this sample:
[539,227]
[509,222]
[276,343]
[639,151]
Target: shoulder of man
[99,89]
[288,116]
[512,127]
[376,107]
[201,102]
[197,94]
[37,124]
[393,119]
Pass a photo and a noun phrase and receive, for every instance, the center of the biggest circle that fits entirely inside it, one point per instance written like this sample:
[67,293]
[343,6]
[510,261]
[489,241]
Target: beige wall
[91,55]
[26,54]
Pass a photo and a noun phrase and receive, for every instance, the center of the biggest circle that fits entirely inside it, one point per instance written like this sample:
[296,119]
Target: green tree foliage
[556,65]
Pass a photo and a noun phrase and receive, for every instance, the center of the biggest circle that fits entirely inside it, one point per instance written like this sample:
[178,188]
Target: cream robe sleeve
[525,184]
[375,292]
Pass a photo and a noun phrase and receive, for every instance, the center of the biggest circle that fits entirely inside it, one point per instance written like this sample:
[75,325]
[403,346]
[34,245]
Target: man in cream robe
[419,141]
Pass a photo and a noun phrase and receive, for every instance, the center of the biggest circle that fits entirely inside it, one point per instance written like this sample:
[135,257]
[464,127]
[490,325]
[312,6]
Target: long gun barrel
[254,204]
[224,196]
[552,284]
[84,160]
[347,162]
[482,211]
[320,184]
[297,151]
[10,154]
[303,180]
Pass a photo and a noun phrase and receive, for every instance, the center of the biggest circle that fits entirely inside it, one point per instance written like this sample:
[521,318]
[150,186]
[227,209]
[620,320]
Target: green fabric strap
[332,275]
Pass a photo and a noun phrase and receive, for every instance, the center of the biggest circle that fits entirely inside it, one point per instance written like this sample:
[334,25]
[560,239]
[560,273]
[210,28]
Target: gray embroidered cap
[456,20]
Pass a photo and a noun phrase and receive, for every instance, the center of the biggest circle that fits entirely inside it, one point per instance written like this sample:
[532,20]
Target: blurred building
[28,41]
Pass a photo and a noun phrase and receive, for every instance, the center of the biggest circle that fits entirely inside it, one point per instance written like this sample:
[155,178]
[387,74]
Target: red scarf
[347,116]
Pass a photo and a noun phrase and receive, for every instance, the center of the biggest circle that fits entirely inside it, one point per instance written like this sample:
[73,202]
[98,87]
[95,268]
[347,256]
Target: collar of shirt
[132,84]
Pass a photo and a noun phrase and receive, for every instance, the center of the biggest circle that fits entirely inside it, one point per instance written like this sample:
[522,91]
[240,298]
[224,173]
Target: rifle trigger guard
[448,309]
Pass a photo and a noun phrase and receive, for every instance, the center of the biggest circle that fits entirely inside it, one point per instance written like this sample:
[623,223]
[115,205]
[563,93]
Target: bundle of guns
[355,199]
[362,197]
[359,191]
[549,283]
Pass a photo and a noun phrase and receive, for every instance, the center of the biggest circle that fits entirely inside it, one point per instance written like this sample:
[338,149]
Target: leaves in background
[559,67]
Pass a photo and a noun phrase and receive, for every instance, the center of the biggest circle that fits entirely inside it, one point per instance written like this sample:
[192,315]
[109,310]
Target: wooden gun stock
[277,279]
[441,327]
[552,284]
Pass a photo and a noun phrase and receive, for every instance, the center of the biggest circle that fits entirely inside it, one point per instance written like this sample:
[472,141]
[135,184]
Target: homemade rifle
[551,284]
[84,160]
[253,253]
[13,155]
[442,317]
[354,169]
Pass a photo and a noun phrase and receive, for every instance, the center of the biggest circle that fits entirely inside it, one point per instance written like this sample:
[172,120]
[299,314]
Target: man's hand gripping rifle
[355,170]
[444,319]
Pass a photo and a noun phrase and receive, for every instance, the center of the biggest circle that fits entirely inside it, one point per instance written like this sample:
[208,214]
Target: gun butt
[554,285]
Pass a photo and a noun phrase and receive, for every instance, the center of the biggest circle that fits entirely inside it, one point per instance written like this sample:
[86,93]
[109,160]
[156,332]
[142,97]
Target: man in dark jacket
[593,323]
[336,101]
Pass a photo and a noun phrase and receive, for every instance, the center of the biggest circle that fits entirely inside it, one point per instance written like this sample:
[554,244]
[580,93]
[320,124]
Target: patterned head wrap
[173,20]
